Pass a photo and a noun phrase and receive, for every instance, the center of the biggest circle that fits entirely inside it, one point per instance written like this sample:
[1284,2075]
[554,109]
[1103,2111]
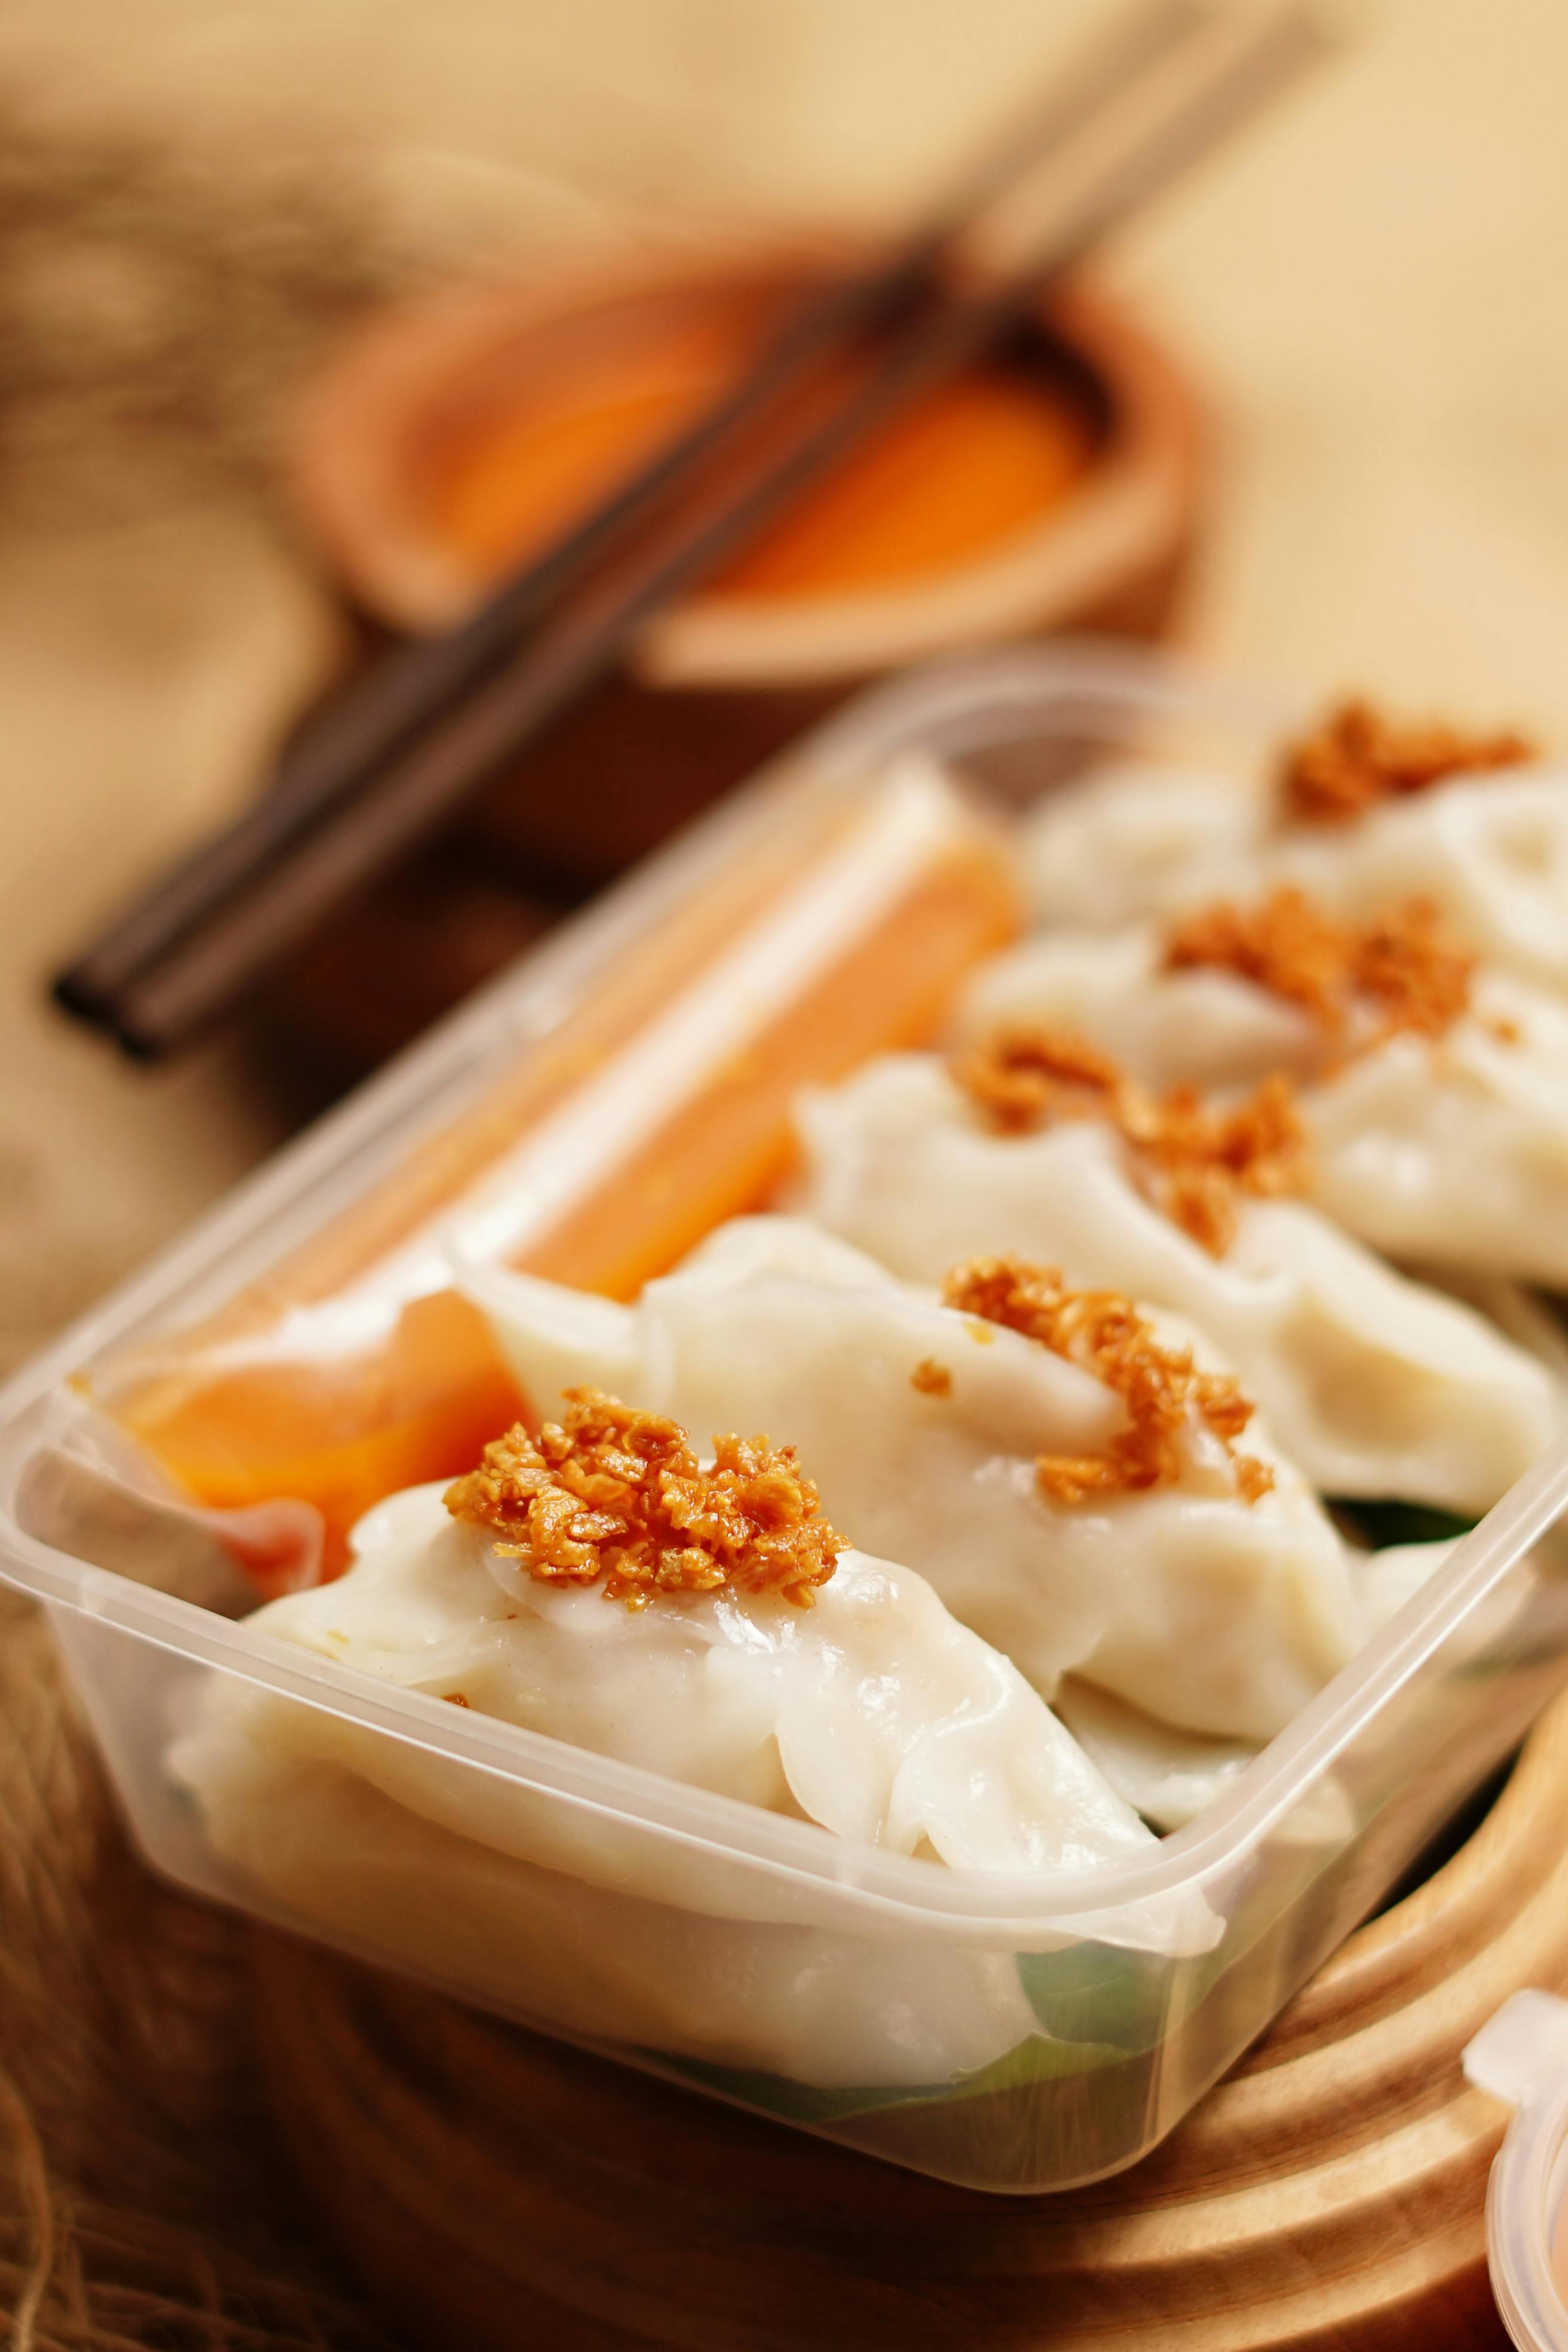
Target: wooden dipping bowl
[494,2188]
[717,685]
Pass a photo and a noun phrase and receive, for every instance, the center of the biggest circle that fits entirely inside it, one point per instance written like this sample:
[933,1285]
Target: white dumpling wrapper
[336,1853]
[1373,1385]
[1194,1603]
[1197,1026]
[1490,850]
[1522,1316]
[1135,840]
[872,1713]
[584,1960]
[1168,1775]
[1387,1579]
[1454,1150]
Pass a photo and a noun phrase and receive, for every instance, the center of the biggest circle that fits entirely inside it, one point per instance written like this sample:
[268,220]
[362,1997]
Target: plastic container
[1523,2056]
[1082,2017]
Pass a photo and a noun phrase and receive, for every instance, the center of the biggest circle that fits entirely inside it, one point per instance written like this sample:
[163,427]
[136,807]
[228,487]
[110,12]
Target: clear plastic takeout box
[630,1913]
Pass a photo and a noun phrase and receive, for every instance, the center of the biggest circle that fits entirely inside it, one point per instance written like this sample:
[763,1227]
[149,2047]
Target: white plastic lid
[1523,2056]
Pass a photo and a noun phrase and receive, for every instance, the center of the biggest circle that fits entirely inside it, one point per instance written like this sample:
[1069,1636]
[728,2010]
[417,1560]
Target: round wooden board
[502,2190]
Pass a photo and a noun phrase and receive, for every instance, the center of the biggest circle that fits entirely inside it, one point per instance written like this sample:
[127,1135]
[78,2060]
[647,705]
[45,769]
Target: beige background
[1372,288]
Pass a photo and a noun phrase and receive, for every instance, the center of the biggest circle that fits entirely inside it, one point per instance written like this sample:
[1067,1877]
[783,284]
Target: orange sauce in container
[660,1106]
[967,466]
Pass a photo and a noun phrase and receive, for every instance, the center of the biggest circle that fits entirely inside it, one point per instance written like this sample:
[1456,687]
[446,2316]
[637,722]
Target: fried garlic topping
[1359,757]
[612,1493]
[1023,1079]
[1104,1334]
[1195,1162]
[1362,983]
[1202,1160]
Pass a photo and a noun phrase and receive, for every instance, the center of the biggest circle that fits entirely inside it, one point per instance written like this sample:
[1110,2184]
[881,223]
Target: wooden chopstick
[341,752]
[1191,92]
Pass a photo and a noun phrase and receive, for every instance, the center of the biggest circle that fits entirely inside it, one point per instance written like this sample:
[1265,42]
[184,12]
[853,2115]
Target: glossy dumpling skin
[872,1713]
[1454,1151]
[742,1693]
[1134,841]
[1197,1026]
[290,1809]
[1171,1776]
[1219,1614]
[1489,851]
[1457,1155]
[1373,1385]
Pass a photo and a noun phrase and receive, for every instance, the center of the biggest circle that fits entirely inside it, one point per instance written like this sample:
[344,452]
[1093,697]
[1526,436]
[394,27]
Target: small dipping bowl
[1055,488]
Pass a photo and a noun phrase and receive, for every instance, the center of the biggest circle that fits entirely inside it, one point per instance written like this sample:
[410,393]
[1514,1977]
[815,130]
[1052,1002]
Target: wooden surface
[497,2189]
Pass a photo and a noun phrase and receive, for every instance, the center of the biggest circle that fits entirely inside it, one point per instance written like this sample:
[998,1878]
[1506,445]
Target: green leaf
[1098,1995]
[1036,2060]
[1101,2006]
[1382,1524]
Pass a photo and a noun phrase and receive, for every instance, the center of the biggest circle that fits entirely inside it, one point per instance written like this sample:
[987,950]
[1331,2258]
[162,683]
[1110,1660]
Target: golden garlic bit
[1195,1161]
[1024,1079]
[1358,756]
[613,1493]
[1104,1333]
[1399,967]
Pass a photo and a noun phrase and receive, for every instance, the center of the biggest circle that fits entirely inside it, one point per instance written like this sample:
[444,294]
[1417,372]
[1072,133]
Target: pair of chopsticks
[433,723]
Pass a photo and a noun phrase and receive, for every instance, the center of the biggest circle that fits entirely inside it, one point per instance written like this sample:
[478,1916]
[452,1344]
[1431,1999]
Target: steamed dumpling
[923,1425]
[1458,1155]
[1171,1776]
[1133,841]
[287,1802]
[1375,1385]
[871,1713]
[1453,1149]
[1491,853]
[1489,850]
[744,1693]
[1197,1026]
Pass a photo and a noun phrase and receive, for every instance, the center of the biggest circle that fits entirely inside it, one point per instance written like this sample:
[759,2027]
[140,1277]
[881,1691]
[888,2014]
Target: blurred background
[202,205]
[198,201]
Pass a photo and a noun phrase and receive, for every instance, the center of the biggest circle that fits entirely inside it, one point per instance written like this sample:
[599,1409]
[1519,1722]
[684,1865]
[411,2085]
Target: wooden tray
[499,2190]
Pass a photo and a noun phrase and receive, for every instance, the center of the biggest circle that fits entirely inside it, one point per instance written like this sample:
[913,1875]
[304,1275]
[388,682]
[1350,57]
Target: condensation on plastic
[1125,2029]
[1521,2056]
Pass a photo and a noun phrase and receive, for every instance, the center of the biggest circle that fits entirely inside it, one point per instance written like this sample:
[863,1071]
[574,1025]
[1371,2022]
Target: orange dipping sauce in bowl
[967,466]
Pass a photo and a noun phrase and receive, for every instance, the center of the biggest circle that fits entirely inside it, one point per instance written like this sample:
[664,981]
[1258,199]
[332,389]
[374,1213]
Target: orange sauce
[341,1433]
[968,466]
[342,1429]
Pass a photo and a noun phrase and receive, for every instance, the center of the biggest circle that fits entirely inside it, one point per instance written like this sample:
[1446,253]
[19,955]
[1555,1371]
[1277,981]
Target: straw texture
[143,2198]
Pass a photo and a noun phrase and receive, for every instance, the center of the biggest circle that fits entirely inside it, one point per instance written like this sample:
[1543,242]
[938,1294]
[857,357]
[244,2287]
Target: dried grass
[145,2199]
